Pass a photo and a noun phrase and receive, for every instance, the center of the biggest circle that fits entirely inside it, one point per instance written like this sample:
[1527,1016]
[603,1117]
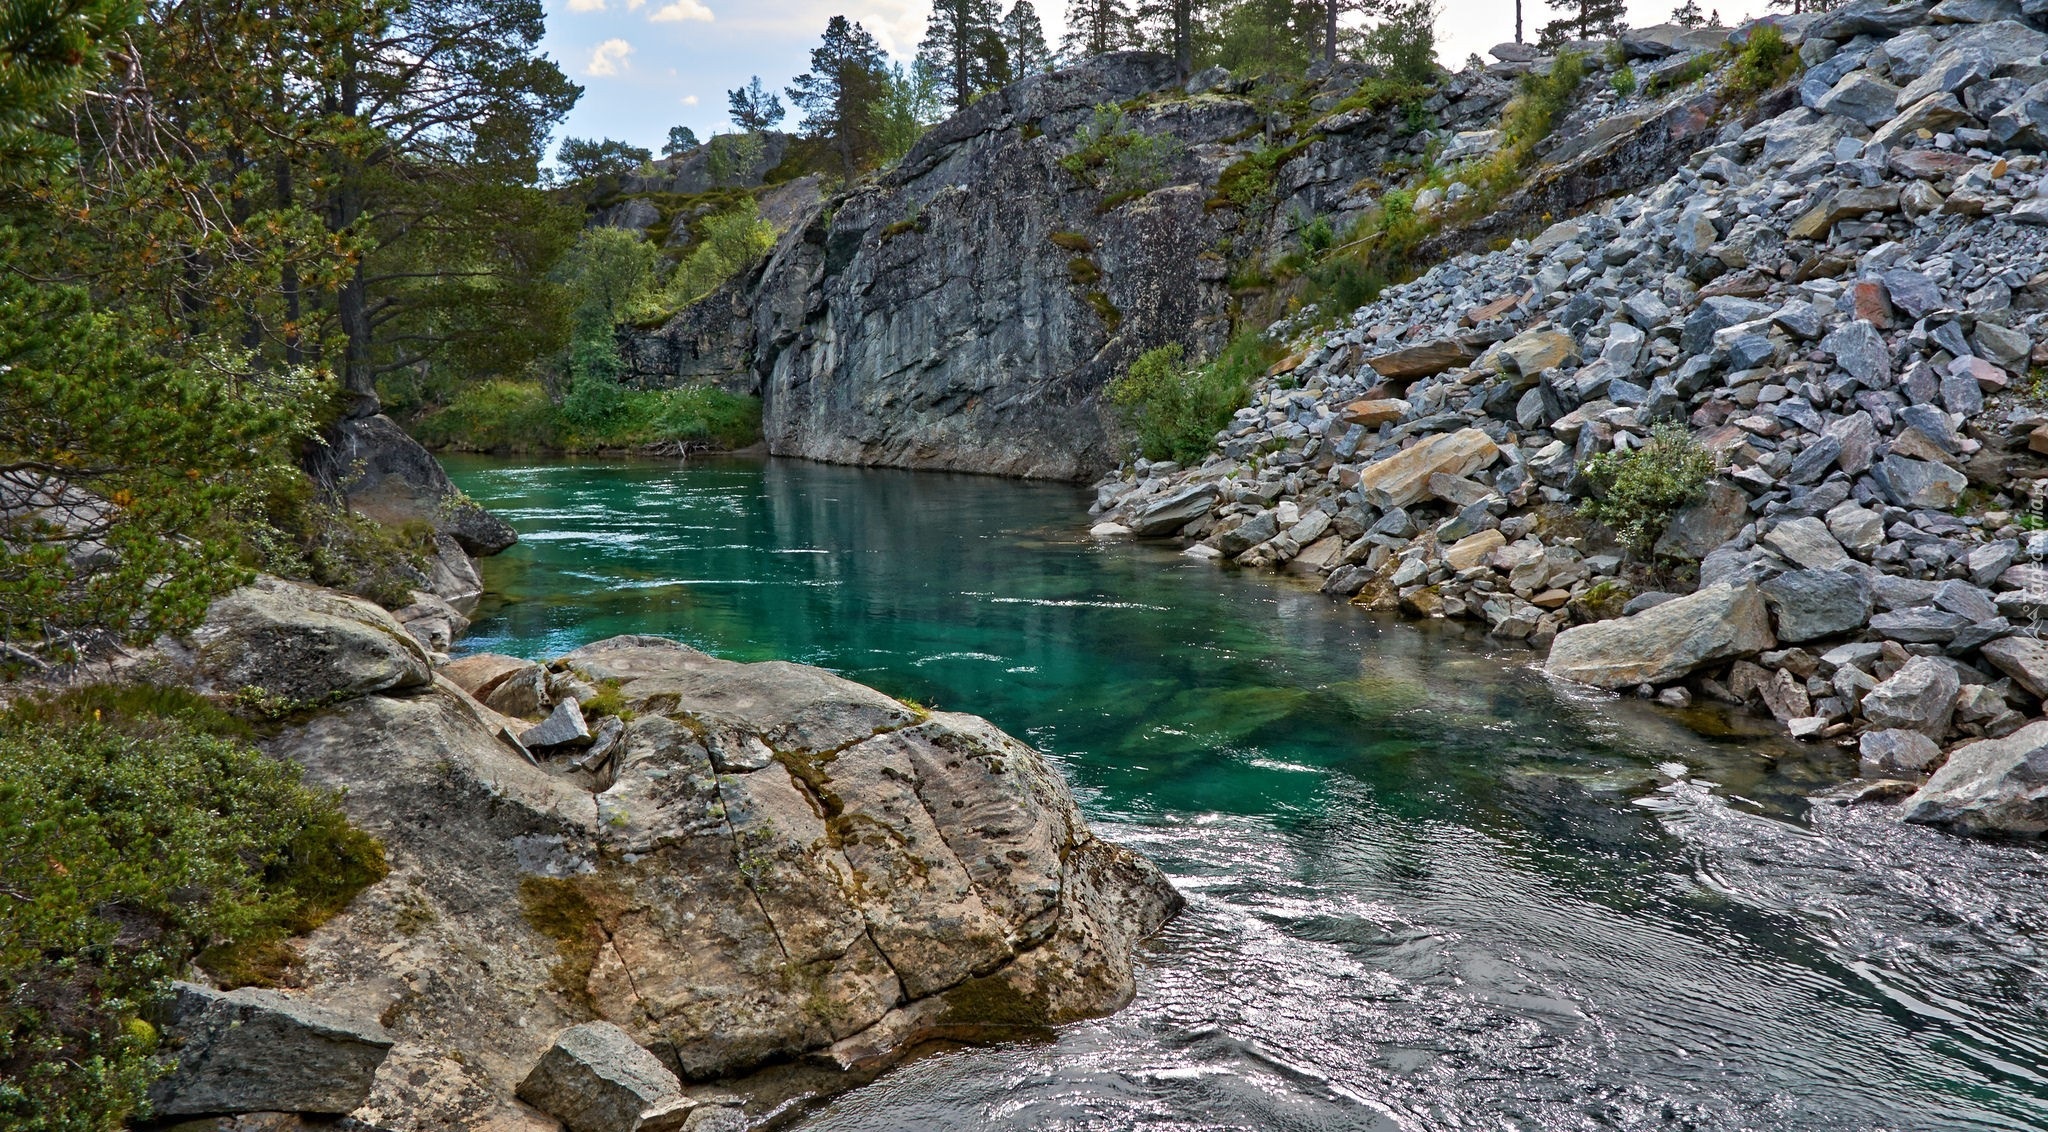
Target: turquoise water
[1427,889]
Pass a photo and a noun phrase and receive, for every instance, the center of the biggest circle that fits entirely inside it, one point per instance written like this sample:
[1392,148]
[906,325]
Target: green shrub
[1693,71]
[1623,82]
[726,242]
[1175,410]
[1636,492]
[1118,158]
[1247,184]
[516,416]
[729,158]
[1763,61]
[499,415]
[139,831]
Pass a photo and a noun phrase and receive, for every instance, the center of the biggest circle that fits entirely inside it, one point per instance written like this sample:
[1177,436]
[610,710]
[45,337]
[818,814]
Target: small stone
[563,727]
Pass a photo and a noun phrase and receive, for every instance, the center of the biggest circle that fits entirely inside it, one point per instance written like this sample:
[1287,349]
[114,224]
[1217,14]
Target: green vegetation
[1072,241]
[1761,63]
[1637,492]
[1247,184]
[725,242]
[1623,81]
[1118,158]
[138,832]
[1175,409]
[1698,68]
[517,416]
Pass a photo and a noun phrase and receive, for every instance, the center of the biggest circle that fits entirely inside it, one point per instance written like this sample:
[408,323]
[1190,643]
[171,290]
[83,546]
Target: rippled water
[1426,889]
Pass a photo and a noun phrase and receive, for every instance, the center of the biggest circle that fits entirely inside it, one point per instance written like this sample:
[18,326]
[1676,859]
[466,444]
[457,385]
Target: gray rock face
[1919,697]
[300,644]
[260,1051]
[1665,641]
[1995,787]
[595,1078]
[387,476]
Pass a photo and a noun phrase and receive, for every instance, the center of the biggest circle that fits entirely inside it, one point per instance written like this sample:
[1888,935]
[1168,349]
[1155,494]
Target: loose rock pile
[1843,304]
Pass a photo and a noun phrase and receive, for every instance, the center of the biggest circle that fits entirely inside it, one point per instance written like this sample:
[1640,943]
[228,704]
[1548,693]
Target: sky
[646,65]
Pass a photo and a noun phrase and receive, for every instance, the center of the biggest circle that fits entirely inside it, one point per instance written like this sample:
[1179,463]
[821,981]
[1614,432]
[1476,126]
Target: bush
[139,831]
[1118,158]
[516,416]
[731,158]
[1624,82]
[726,242]
[1636,493]
[1175,410]
[1763,61]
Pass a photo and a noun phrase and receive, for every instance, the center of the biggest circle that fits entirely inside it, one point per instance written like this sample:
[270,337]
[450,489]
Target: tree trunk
[1518,21]
[1184,38]
[352,303]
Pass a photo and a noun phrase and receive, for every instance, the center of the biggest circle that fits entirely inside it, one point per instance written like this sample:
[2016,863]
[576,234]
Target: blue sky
[646,65]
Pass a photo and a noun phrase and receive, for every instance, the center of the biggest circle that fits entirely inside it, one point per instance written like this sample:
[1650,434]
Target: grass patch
[1119,159]
[1104,309]
[1083,271]
[516,416]
[1247,184]
[1072,241]
[138,832]
[1175,409]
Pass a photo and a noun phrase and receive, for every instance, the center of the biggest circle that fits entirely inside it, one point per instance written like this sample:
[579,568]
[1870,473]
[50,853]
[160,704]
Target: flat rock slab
[1666,641]
[1403,478]
[1426,360]
[261,1051]
[480,672]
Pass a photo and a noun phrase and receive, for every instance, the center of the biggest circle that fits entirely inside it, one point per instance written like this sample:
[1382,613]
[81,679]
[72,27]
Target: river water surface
[1426,889]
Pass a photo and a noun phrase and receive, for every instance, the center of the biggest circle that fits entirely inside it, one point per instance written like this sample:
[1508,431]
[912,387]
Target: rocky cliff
[730,867]
[1839,307]
[964,310]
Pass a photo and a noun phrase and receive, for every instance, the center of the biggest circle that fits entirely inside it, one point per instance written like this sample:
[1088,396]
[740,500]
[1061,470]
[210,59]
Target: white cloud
[609,59]
[586,5]
[634,5]
[689,100]
[677,11]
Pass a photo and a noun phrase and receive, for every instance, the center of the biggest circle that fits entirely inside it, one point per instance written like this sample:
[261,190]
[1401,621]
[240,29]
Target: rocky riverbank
[635,888]
[1842,305]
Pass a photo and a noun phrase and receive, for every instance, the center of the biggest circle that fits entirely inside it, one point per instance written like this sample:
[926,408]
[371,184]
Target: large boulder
[387,476]
[777,864]
[261,1051]
[1169,513]
[1993,787]
[1665,641]
[595,1078]
[1403,478]
[293,645]
[1920,696]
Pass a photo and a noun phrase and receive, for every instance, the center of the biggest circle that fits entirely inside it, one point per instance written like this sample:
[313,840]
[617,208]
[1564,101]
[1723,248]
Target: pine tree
[580,159]
[1024,39]
[755,109]
[1096,27]
[1586,19]
[681,139]
[839,95]
[963,46]
[1688,15]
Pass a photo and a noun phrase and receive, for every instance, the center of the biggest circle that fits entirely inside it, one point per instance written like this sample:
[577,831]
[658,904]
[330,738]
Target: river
[1426,888]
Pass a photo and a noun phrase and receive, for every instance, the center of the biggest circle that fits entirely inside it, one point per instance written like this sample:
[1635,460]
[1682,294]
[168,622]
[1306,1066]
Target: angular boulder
[1169,513]
[1426,360]
[1810,604]
[1921,696]
[2025,659]
[261,1051]
[596,1078]
[1665,641]
[1990,788]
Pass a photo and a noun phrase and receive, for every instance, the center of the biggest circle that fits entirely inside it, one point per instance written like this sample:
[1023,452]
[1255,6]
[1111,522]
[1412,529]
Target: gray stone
[260,1051]
[1811,604]
[1714,315]
[1950,74]
[1666,641]
[1247,534]
[1933,114]
[2023,658]
[1896,751]
[1176,509]
[596,1078]
[1862,98]
[1858,435]
[1993,787]
[1859,349]
[2003,347]
[1963,598]
[1807,543]
[1987,562]
[1920,696]
[1923,625]
[2024,120]
[1974,12]
[1911,291]
[564,727]
[1920,483]
[1895,592]
[1698,528]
